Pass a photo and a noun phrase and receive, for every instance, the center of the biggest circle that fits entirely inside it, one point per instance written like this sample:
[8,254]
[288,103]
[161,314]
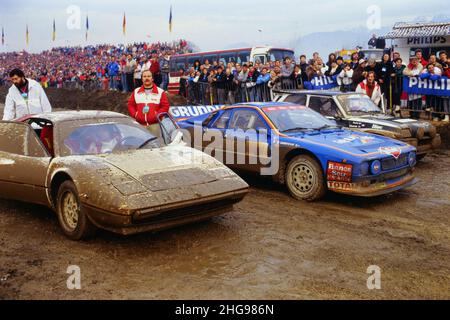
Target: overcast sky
[211,24]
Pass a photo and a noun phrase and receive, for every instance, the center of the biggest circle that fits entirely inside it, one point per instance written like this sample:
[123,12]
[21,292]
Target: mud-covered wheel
[304,178]
[72,218]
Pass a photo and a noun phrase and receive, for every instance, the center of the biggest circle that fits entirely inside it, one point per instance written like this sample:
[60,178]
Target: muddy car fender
[94,188]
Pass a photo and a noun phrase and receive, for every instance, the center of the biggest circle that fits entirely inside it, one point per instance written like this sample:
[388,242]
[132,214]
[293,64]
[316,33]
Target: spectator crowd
[95,67]
[216,82]
[213,82]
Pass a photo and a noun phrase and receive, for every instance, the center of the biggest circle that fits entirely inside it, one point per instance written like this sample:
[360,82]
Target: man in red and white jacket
[371,88]
[147,101]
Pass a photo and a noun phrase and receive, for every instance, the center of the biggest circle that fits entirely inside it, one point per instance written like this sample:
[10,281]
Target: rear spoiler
[181,113]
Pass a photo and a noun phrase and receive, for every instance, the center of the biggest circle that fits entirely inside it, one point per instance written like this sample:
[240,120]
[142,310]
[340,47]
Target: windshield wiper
[296,129]
[147,142]
[328,126]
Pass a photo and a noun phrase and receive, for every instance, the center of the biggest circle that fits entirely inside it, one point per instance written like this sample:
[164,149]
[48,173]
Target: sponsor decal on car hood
[393,151]
[355,142]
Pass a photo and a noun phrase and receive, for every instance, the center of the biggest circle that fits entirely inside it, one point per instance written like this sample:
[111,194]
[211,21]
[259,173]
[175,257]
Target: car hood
[151,179]
[348,141]
[165,168]
[384,121]
[393,122]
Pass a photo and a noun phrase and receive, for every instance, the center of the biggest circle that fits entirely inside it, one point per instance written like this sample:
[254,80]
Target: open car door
[24,163]
[170,132]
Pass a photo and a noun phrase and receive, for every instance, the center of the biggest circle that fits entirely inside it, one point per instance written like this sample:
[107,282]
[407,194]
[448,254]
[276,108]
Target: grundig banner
[183,112]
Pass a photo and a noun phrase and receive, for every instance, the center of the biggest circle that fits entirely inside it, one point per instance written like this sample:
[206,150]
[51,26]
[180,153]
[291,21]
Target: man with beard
[25,97]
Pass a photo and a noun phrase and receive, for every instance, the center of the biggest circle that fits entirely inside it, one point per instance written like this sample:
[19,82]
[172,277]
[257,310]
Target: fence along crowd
[246,77]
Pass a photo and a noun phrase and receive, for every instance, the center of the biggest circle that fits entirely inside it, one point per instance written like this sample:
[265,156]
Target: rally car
[307,152]
[103,170]
[357,111]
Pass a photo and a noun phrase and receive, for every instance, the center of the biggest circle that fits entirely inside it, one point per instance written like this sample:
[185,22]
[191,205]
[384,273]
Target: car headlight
[364,169]
[412,159]
[375,167]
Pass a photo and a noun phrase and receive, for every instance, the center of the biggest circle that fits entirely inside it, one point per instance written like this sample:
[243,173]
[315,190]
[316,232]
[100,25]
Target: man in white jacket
[371,88]
[25,97]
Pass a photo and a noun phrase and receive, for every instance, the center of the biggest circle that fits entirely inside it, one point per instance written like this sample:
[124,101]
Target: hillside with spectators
[87,67]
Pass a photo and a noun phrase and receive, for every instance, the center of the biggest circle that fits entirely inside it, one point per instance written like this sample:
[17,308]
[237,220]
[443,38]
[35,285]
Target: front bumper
[165,217]
[424,145]
[367,189]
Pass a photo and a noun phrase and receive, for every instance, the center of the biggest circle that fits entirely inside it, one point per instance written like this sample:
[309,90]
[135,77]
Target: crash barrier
[422,97]
[206,93]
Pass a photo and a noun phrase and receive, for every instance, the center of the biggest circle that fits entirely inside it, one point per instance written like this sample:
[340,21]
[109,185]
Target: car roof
[261,104]
[316,92]
[61,116]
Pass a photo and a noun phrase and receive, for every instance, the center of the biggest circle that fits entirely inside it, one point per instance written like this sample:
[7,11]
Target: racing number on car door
[23,163]
[246,128]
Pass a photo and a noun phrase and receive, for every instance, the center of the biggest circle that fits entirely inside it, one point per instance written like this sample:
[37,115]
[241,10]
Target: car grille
[392,163]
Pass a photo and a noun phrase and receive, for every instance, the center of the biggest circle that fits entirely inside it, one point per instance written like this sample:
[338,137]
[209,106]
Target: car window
[102,138]
[221,122]
[295,117]
[324,105]
[357,104]
[245,120]
[297,99]
[20,139]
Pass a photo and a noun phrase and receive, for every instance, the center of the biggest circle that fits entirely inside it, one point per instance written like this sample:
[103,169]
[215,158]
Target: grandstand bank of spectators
[89,67]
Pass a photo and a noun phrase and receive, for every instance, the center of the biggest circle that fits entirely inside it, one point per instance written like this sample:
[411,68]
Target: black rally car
[357,111]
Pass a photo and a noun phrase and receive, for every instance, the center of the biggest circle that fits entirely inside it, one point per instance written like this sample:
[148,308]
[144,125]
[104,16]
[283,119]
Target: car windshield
[297,118]
[358,104]
[87,137]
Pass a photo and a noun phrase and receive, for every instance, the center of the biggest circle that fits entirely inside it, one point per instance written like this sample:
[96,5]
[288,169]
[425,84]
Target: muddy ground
[269,247]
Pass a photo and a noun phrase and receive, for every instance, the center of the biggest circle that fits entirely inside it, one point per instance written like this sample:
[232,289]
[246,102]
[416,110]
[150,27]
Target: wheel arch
[291,154]
[57,180]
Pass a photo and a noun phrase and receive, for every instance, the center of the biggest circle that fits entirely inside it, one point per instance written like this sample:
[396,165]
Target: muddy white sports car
[104,170]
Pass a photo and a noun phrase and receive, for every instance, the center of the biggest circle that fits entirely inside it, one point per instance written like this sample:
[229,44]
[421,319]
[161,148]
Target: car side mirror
[169,129]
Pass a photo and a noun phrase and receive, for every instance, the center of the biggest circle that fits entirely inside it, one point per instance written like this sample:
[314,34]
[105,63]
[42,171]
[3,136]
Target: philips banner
[440,86]
[321,83]
[183,112]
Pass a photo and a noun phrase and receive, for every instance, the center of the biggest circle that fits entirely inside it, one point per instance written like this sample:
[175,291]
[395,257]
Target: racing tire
[72,218]
[304,178]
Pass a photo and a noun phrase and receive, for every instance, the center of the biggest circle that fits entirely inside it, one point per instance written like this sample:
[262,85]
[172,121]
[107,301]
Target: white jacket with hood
[16,106]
